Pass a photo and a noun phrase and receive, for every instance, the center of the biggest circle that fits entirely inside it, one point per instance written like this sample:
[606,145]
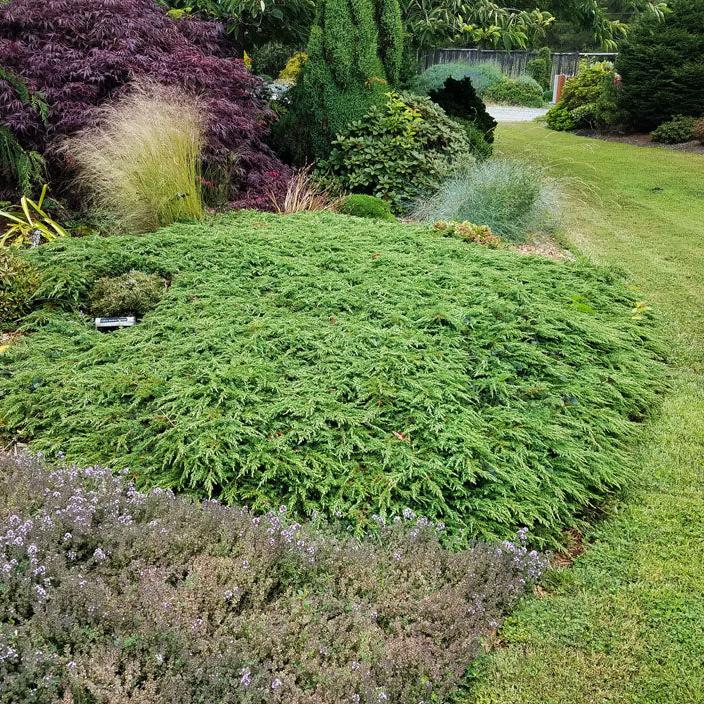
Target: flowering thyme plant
[106,591]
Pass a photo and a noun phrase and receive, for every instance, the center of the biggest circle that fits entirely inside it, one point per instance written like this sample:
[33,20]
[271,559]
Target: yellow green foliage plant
[479,234]
[29,224]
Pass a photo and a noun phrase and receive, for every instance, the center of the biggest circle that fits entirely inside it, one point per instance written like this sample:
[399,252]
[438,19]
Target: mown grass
[346,367]
[626,623]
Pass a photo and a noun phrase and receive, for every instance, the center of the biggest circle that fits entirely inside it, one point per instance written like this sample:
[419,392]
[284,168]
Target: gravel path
[509,113]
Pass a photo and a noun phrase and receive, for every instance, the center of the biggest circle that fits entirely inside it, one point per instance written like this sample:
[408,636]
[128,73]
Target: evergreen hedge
[662,66]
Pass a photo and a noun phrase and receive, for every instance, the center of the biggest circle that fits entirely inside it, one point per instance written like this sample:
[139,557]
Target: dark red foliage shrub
[80,53]
[120,596]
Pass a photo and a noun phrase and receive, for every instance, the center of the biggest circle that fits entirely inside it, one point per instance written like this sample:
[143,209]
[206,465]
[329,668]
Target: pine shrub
[662,66]
[481,75]
[19,281]
[83,53]
[459,100]
[342,366]
[354,58]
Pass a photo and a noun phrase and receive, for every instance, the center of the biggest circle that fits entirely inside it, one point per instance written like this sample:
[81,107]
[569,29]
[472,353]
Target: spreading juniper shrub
[107,592]
[342,365]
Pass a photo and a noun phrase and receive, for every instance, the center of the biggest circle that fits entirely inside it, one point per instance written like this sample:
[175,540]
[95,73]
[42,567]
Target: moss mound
[342,366]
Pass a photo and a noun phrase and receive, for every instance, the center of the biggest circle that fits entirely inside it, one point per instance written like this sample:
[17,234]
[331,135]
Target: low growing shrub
[19,281]
[523,90]
[291,72]
[479,234]
[363,206]
[509,196]
[482,76]
[675,131]
[202,603]
[134,293]
[400,151]
[333,364]
[141,162]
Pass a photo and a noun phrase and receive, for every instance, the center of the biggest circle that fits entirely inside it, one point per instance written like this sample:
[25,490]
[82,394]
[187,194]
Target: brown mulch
[544,247]
[6,338]
[640,139]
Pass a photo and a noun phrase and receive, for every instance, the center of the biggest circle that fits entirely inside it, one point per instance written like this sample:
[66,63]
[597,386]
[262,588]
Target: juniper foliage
[348,367]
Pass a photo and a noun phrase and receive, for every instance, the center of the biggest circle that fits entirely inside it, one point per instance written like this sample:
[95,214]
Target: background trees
[662,66]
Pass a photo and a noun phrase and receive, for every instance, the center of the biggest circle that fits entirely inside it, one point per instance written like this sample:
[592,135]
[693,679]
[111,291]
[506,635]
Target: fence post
[557,88]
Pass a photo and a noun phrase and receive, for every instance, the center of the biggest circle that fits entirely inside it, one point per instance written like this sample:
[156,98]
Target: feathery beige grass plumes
[304,193]
[140,162]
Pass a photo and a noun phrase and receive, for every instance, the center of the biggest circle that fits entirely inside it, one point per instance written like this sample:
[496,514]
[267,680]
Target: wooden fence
[512,63]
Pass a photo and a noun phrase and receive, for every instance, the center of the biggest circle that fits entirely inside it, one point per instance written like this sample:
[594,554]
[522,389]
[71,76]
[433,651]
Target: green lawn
[626,622]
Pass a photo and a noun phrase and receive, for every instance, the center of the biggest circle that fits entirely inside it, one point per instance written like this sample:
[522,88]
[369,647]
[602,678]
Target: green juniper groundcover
[341,366]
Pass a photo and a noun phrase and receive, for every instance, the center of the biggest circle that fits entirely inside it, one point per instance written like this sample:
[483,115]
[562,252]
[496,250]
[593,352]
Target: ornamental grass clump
[108,594]
[141,162]
[511,197]
[344,366]
[79,54]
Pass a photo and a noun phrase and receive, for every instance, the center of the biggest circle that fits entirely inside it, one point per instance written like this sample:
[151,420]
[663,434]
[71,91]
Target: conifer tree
[354,58]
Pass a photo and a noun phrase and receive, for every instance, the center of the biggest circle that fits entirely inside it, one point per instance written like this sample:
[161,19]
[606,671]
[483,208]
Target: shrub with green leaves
[675,131]
[399,152]
[134,293]
[588,99]
[363,206]
[200,603]
[336,365]
[523,90]
[512,197]
[18,284]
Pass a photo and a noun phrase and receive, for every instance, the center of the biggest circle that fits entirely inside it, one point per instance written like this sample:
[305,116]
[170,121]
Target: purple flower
[246,678]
